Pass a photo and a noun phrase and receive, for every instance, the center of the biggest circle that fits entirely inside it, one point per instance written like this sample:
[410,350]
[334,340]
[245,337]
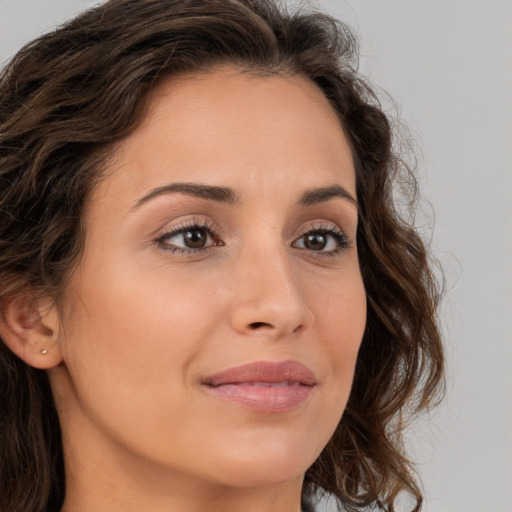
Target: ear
[30,328]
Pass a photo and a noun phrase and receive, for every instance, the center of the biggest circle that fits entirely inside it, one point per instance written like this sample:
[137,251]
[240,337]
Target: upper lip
[264,371]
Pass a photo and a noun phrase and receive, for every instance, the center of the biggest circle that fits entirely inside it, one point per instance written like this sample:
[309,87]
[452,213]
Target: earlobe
[30,328]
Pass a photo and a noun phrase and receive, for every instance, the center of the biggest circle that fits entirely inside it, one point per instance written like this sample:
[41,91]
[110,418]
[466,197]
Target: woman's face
[223,235]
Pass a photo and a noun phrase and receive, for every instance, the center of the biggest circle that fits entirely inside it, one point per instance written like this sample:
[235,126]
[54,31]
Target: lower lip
[263,398]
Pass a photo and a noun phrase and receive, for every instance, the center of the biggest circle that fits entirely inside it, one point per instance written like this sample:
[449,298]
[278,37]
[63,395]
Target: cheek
[346,326]
[127,352]
[341,314]
[339,303]
[131,338]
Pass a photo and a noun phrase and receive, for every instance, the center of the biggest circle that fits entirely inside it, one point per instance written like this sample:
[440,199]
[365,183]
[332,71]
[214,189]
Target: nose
[268,299]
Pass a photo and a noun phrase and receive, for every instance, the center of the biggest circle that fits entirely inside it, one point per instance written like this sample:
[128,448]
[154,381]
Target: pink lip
[263,385]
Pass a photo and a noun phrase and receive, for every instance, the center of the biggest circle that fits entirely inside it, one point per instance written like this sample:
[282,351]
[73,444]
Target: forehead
[228,127]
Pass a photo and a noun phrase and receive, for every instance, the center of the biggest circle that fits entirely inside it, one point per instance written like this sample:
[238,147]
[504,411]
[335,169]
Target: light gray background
[448,64]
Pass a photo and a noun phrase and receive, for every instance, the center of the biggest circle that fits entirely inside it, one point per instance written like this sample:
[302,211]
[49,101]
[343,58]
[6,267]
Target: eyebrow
[320,195]
[213,193]
[229,196]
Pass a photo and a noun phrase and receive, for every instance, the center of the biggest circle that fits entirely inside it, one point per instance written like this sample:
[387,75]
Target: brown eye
[188,239]
[325,241]
[315,241]
[195,238]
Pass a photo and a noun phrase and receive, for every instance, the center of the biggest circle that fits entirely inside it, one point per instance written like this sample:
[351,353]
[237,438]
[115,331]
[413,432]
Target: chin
[264,465]
[255,476]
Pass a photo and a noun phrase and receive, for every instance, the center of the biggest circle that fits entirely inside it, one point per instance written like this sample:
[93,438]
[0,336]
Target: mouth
[264,386]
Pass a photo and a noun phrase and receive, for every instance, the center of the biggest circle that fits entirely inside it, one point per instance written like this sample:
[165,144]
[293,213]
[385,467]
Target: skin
[145,319]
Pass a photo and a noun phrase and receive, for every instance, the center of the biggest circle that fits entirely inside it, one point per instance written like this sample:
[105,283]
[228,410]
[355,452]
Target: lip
[264,386]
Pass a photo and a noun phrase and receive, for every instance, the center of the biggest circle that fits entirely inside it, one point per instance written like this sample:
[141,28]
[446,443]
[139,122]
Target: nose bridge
[273,278]
[269,294]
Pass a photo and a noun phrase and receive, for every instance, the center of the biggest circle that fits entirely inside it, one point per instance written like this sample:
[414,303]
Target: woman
[209,301]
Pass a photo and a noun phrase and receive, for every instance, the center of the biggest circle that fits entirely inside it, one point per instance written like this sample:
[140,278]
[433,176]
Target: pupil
[316,241]
[195,239]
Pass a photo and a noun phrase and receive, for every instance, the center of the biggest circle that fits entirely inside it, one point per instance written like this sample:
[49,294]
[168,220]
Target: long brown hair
[66,97]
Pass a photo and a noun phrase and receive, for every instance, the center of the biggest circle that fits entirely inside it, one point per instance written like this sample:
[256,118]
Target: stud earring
[44,351]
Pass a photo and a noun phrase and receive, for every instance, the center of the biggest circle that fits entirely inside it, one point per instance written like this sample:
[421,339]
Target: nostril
[257,325]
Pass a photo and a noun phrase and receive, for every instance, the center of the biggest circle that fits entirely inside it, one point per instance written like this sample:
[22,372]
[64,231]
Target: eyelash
[341,240]
[193,225]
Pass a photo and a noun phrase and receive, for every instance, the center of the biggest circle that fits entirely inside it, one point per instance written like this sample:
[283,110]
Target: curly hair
[68,96]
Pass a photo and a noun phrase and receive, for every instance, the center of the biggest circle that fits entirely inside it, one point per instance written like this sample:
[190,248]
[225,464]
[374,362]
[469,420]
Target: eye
[188,238]
[324,240]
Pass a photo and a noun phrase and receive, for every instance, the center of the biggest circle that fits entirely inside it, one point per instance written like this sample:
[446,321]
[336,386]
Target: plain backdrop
[448,65]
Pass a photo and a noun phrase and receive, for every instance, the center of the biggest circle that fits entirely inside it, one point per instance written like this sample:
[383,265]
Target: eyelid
[194,223]
[321,225]
[343,240]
